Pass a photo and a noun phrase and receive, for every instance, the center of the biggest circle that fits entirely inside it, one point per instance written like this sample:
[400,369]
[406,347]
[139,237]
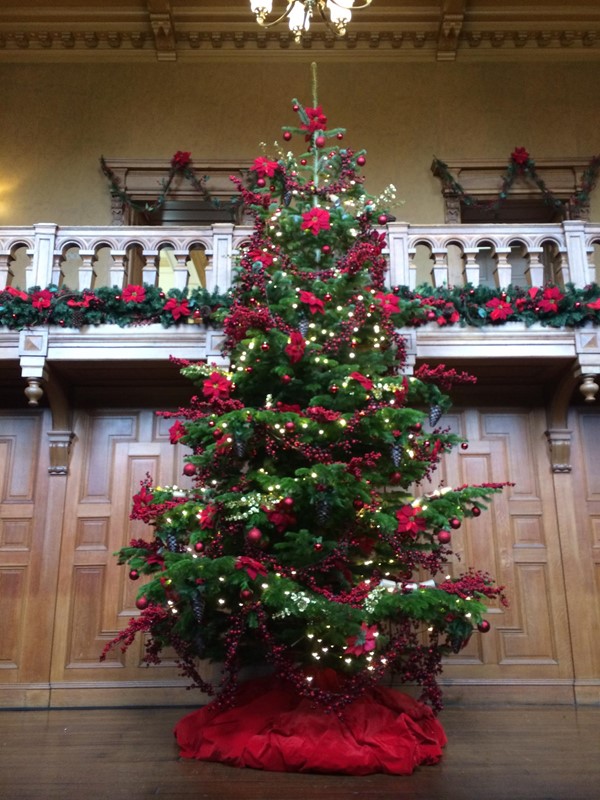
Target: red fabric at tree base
[274,729]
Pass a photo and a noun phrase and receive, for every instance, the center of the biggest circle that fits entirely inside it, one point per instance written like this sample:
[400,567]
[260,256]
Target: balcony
[179,257]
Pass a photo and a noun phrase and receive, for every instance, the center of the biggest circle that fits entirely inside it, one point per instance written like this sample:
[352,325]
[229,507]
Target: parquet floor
[497,753]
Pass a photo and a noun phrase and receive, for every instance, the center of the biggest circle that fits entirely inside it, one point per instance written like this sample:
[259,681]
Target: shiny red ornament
[246,594]
[318,546]
[286,378]
[295,107]
[290,427]
[361,161]
[287,135]
[265,346]
[189,469]
[476,511]
[464,445]
[455,523]
[382,219]
[327,297]
[357,503]
[142,602]
[395,478]
[199,547]
[431,315]
[133,574]
[340,135]
[288,502]
[254,536]
[444,537]
[303,161]
[334,389]
[484,626]
[320,141]
[261,182]
[217,433]
[326,249]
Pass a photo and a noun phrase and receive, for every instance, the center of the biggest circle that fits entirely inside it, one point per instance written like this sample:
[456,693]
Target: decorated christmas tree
[304,548]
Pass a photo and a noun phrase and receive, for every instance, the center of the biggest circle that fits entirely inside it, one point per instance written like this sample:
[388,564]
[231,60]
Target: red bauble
[320,141]
[287,135]
[340,135]
[395,478]
[444,537]
[260,182]
[318,546]
[455,523]
[246,594]
[382,219]
[286,378]
[249,370]
[416,428]
[357,503]
[290,427]
[464,445]
[254,536]
[326,249]
[288,502]
[295,107]
[361,161]
[431,315]
[217,433]
[484,626]
[265,346]
[476,511]
[142,602]
[189,469]
[199,547]
[303,161]
[334,389]
[327,297]
[134,574]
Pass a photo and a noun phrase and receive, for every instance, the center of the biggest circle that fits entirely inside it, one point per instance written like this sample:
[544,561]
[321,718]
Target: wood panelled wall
[62,596]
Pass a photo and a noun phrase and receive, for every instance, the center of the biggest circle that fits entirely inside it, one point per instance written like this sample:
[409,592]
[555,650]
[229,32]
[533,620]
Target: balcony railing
[493,255]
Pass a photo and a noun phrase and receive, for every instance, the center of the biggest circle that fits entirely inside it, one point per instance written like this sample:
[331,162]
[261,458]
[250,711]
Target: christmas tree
[304,544]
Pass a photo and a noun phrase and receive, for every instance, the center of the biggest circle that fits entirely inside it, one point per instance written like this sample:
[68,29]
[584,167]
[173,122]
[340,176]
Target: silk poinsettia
[551,297]
[207,517]
[315,220]
[317,121]
[181,159]
[314,304]
[176,431]
[389,302]
[178,308]
[365,382]
[133,294]
[594,305]
[216,387]
[410,521]
[500,310]
[364,642]
[251,565]
[296,347]
[15,293]
[41,299]
[520,156]
[264,167]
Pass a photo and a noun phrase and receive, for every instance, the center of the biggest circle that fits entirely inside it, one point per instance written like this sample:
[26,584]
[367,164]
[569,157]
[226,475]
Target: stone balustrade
[493,255]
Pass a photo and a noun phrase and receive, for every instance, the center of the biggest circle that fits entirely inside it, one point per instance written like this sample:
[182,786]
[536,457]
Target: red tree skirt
[272,728]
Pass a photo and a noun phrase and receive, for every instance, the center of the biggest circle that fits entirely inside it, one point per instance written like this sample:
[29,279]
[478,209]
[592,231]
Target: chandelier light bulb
[336,14]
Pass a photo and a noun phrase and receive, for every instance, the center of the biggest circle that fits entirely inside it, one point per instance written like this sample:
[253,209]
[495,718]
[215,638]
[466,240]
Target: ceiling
[169,30]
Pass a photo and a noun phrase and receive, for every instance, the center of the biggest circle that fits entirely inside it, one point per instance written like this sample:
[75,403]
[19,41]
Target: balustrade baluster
[472,270]
[150,268]
[503,271]
[5,273]
[535,272]
[86,270]
[180,270]
[118,270]
[440,268]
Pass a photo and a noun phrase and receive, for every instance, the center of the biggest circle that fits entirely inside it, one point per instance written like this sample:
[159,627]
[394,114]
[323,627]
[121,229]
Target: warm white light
[335,13]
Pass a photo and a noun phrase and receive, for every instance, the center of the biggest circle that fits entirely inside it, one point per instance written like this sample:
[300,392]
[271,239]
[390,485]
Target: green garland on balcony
[181,165]
[521,164]
[142,305]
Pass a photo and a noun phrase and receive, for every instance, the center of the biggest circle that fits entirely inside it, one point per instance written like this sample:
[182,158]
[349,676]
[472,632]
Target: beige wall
[57,119]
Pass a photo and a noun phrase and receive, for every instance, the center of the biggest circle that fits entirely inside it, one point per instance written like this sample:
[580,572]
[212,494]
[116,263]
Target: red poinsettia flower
[550,299]
[264,167]
[294,407]
[142,499]
[41,299]
[176,432]
[16,293]
[520,156]
[317,121]
[281,518]
[251,565]
[207,516]
[389,302]
[296,347]
[181,159]
[259,255]
[594,305]
[216,387]
[499,309]
[85,302]
[315,220]
[133,294]
[410,521]
[178,308]
[314,304]
[365,382]
[364,642]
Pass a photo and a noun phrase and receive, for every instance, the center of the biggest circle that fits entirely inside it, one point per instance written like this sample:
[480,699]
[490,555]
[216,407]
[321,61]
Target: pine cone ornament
[396,453]
[435,414]
[323,509]
[239,446]
[172,543]
[303,326]
[198,606]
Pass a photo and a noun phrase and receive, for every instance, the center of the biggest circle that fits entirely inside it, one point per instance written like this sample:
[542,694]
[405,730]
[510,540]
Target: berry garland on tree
[301,543]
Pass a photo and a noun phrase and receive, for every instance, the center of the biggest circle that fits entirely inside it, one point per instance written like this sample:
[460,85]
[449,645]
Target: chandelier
[335,13]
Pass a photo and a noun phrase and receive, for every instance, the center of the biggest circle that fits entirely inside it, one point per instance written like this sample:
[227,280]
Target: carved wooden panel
[28,556]
[96,599]
[516,541]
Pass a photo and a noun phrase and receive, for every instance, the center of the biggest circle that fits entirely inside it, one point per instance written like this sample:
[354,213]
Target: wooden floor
[509,753]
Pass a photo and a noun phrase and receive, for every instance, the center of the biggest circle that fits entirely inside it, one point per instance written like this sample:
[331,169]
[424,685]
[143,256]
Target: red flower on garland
[133,294]
[141,500]
[176,432]
[389,302]
[216,387]
[500,309]
[594,305]
[550,299]
[178,308]
[84,303]
[365,382]
[207,516]
[41,299]
[313,302]
[16,293]
[363,642]
[296,347]
[265,167]
[281,518]
[181,159]
[251,565]
[520,156]
[315,220]
[255,254]
[410,521]
[317,121]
